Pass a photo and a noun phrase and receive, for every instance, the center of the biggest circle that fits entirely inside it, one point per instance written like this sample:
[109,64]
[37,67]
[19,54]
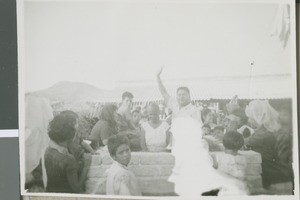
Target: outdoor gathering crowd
[186,132]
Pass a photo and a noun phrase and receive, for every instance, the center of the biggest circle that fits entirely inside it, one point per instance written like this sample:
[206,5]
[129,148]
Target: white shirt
[156,138]
[186,111]
[121,181]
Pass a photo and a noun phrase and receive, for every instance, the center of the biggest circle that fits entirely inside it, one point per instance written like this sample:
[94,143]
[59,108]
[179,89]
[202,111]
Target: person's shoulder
[122,176]
[116,170]
[69,161]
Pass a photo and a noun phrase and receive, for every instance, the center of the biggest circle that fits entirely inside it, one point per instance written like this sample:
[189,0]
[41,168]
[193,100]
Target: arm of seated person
[87,147]
[72,176]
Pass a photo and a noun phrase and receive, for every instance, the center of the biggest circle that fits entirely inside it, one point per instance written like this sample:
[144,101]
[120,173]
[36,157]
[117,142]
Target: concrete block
[95,186]
[96,160]
[162,158]
[156,186]
[251,156]
[135,158]
[144,170]
[253,169]
[97,171]
[165,170]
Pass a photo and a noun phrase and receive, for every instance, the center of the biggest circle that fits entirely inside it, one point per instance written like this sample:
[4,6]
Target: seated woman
[64,174]
[155,135]
[78,146]
[105,127]
[263,141]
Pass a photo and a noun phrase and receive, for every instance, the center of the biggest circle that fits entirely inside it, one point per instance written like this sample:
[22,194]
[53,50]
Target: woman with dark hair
[61,166]
[105,127]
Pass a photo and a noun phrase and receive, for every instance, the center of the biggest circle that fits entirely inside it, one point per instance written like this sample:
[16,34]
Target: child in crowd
[136,118]
[206,129]
[155,135]
[232,141]
[207,117]
[218,133]
[120,181]
[215,140]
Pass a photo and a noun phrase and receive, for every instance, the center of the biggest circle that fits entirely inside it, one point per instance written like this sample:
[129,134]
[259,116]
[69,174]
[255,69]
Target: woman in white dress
[193,173]
[155,135]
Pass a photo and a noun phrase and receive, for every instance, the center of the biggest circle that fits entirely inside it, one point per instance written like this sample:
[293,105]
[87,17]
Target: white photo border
[21,104]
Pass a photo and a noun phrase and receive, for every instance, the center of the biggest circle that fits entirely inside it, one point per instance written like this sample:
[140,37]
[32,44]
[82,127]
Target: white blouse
[156,138]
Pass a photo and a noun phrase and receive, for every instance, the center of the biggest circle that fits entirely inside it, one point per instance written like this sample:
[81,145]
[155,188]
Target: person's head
[62,128]
[138,108]
[127,99]
[206,129]
[246,133]
[207,116]
[218,132]
[108,113]
[233,140]
[285,116]
[136,117]
[183,96]
[119,149]
[153,113]
[71,114]
[144,112]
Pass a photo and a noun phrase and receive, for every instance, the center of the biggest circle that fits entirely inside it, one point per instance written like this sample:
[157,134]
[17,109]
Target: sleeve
[121,184]
[105,132]
[71,171]
[95,133]
[255,140]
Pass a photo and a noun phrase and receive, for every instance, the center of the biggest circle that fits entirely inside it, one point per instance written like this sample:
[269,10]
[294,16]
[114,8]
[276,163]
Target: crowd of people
[188,133]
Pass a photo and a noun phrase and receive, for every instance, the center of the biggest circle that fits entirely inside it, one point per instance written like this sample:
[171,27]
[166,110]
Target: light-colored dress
[193,173]
[121,181]
[156,138]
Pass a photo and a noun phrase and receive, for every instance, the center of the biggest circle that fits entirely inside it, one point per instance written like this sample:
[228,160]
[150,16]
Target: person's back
[231,164]
[117,175]
[57,166]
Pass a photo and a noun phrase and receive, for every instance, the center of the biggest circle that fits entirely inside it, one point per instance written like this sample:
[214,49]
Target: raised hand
[159,71]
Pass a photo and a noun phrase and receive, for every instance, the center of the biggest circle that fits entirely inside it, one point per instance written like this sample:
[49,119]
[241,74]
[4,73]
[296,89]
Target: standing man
[181,107]
[125,124]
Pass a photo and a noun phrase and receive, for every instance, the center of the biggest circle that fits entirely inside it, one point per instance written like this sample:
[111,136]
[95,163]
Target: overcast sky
[100,42]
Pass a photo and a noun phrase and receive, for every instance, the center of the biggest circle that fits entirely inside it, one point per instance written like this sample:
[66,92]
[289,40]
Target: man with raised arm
[181,107]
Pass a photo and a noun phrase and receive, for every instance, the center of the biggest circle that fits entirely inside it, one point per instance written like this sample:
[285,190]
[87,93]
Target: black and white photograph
[158,98]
